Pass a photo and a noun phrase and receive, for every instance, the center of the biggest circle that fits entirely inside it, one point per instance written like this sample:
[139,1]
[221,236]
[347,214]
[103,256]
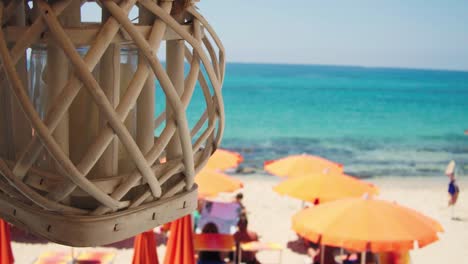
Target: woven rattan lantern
[81,144]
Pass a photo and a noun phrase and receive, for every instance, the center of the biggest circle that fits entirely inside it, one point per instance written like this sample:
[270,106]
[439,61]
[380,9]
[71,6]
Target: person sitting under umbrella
[243,235]
[313,250]
[242,210]
[210,257]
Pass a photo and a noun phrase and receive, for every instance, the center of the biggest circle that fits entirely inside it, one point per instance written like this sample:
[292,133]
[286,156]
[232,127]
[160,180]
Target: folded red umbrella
[6,255]
[180,248]
[144,251]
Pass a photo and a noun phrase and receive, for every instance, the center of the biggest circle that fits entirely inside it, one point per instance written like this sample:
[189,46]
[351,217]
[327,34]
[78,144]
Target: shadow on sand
[459,219]
[297,246]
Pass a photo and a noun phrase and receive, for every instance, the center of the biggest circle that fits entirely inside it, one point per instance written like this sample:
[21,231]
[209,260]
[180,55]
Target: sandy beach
[270,214]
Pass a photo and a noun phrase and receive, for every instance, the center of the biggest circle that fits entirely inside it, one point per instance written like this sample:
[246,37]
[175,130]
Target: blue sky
[386,33]
[390,33]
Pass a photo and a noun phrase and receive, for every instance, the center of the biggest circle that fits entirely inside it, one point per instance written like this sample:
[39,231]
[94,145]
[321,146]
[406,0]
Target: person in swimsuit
[453,189]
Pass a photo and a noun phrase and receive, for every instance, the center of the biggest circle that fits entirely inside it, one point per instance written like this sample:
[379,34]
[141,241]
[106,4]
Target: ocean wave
[361,157]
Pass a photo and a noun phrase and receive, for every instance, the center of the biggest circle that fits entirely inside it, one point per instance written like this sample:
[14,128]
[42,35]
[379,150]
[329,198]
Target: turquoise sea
[375,121]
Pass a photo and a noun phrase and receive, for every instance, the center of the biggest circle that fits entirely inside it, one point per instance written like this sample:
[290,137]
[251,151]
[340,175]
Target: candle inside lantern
[37,79]
[39,92]
[128,65]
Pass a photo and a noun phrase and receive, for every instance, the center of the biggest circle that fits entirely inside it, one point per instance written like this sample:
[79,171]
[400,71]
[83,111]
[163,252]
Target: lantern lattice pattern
[89,161]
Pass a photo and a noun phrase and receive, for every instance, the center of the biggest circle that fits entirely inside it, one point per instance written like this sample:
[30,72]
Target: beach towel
[223,214]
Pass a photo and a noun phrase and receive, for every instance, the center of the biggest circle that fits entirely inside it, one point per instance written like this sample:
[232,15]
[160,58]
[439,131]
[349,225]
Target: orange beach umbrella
[366,224]
[211,183]
[180,244]
[324,187]
[6,255]
[224,159]
[301,165]
[144,249]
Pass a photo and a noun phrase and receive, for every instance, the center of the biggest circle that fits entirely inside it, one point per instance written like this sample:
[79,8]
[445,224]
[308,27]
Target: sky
[426,34]
[388,33]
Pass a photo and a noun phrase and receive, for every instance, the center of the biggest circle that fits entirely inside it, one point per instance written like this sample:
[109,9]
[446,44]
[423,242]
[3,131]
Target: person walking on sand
[242,210]
[453,189]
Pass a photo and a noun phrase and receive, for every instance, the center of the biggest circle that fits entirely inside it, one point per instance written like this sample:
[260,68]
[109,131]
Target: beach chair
[262,246]
[65,257]
[223,243]
[213,242]
[54,257]
[394,258]
[95,257]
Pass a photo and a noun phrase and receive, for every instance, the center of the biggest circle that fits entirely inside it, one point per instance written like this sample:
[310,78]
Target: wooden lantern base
[86,230]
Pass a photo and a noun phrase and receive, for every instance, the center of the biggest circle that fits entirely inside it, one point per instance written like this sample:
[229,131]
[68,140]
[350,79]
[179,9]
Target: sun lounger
[214,242]
[394,258]
[95,257]
[54,257]
[65,257]
[263,246]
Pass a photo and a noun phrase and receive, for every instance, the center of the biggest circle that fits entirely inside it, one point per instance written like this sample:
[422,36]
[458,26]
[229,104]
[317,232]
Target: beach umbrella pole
[72,252]
[322,254]
[363,257]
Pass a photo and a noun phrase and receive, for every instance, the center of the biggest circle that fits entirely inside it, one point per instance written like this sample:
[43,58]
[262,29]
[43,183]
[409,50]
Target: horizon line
[352,66]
